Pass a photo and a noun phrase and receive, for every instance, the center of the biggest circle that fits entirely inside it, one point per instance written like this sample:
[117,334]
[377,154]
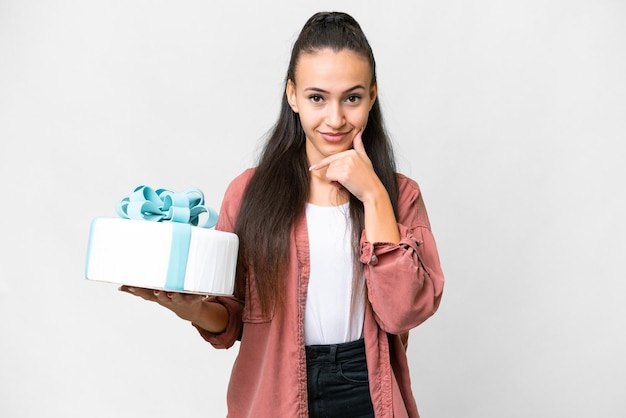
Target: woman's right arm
[217,318]
[210,316]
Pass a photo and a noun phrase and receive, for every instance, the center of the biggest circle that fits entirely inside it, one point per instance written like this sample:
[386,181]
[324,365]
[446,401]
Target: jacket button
[374,260]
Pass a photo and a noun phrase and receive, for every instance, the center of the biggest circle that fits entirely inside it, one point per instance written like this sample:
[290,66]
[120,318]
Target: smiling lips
[334,136]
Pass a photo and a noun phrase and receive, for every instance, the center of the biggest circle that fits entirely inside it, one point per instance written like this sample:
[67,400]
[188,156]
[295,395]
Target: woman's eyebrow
[319,90]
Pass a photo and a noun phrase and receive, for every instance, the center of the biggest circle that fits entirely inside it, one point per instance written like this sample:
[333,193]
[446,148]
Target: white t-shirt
[327,317]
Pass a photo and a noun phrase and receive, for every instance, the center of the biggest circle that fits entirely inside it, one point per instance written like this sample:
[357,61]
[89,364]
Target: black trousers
[337,381]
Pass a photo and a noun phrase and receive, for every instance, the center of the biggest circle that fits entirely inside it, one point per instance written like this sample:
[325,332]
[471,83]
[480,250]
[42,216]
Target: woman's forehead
[332,68]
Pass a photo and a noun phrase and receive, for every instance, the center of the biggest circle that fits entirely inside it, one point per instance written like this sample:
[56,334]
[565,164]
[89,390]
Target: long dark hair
[279,189]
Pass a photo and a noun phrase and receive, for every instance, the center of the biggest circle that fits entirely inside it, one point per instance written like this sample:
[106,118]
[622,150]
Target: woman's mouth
[334,136]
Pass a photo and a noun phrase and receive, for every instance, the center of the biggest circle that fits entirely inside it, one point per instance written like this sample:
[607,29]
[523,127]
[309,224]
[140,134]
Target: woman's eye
[355,98]
[316,98]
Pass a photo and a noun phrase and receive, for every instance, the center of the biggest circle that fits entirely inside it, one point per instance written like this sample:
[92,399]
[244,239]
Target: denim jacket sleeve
[404,281]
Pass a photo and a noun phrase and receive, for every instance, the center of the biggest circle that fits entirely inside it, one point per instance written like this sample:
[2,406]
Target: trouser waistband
[335,352]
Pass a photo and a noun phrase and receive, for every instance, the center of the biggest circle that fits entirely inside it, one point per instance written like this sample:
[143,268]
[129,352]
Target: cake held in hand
[163,240]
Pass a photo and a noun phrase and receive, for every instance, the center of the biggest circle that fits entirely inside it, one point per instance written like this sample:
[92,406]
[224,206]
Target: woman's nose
[335,117]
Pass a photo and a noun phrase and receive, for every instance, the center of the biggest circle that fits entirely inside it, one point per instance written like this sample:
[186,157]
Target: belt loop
[333,356]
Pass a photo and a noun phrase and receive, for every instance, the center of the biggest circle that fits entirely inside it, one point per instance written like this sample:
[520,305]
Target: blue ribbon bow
[183,209]
[148,204]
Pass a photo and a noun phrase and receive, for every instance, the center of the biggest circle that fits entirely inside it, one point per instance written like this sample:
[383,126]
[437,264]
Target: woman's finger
[138,291]
[357,144]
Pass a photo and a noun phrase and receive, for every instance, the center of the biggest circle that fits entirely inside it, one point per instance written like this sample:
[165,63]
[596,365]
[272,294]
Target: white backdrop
[511,116]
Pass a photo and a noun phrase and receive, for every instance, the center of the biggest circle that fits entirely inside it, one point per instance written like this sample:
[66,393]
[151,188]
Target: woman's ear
[290,92]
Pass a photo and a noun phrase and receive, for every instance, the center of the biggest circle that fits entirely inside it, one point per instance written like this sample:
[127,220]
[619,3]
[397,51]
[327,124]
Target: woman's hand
[210,316]
[353,170]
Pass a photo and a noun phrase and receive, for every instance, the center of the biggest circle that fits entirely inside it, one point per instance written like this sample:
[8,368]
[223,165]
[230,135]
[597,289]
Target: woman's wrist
[380,220]
[212,317]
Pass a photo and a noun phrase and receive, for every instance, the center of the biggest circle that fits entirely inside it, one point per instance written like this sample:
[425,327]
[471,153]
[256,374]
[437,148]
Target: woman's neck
[323,193]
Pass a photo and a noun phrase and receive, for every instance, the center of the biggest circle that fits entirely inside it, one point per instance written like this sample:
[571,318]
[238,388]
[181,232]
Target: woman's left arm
[404,279]
[403,275]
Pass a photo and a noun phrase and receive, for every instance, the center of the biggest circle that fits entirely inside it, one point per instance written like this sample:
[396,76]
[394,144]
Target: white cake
[140,253]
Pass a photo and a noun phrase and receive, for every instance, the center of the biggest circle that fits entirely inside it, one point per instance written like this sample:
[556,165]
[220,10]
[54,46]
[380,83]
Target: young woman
[337,260]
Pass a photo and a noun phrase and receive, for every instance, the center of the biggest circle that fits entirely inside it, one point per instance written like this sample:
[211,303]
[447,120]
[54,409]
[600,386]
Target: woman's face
[333,95]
